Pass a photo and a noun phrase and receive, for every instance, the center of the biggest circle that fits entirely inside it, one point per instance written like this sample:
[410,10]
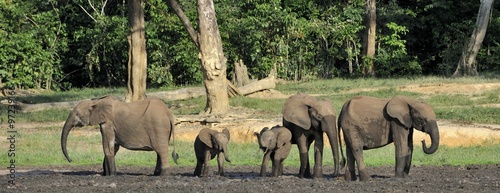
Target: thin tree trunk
[185,21]
[240,74]
[137,65]
[467,63]
[369,38]
[213,61]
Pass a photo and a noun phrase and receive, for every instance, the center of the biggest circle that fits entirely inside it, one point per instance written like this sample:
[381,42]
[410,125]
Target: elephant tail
[175,156]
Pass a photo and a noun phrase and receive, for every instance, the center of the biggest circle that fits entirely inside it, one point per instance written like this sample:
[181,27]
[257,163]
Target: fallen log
[25,107]
[181,94]
[263,84]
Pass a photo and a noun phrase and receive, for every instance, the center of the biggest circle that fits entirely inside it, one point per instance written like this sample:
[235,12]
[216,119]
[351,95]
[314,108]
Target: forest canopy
[62,44]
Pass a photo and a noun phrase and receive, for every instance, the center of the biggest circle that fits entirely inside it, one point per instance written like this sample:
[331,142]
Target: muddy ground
[473,178]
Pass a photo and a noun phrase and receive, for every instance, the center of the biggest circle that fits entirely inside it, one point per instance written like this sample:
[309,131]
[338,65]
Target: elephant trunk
[329,125]
[68,125]
[433,131]
[226,155]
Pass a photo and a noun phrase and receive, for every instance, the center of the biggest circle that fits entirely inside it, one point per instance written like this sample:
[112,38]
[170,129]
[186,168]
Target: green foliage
[393,59]
[31,39]
[65,44]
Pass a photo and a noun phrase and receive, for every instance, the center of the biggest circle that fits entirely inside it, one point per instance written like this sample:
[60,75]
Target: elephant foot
[319,175]
[304,176]
[163,173]
[363,175]
[350,175]
[401,175]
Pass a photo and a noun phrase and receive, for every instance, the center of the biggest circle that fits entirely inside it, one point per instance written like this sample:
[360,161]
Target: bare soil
[473,178]
[242,124]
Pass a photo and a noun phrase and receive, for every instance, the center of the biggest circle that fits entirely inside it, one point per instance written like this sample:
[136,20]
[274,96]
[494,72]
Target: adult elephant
[369,123]
[142,125]
[308,118]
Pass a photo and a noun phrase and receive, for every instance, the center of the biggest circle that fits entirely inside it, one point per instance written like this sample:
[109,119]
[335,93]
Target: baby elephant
[276,144]
[209,143]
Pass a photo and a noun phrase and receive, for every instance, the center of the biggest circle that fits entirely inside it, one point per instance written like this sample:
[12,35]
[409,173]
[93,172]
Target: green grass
[267,105]
[41,146]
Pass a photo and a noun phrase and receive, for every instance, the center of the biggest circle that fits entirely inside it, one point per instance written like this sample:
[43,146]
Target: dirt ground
[471,178]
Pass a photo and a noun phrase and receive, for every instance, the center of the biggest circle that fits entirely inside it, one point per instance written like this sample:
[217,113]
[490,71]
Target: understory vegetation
[60,44]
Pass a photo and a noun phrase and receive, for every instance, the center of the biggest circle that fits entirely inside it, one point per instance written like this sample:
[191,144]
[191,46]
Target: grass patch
[474,114]
[71,95]
[41,147]
[267,105]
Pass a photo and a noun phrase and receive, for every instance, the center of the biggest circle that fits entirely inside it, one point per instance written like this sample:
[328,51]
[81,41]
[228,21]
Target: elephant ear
[315,114]
[258,134]
[99,113]
[205,136]
[226,132]
[296,111]
[399,108]
[284,137]
[315,117]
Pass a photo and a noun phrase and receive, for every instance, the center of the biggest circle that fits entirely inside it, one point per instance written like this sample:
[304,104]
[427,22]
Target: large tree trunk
[369,38]
[137,62]
[467,63]
[213,62]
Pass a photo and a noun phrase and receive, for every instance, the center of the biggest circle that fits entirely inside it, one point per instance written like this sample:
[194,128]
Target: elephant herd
[365,122]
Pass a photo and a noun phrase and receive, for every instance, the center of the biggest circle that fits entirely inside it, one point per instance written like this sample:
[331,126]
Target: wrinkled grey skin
[276,144]
[145,125]
[308,118]
[207,145]
[369,123]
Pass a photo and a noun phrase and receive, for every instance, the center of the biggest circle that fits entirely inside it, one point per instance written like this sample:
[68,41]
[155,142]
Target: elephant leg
[357,153]
[199,166]
[350,171]
[281,169]
[410,151]
[276,167]
[158,165]
[400,136]
[318,155]
[263,167]
[206,161]
[161,162]
[303,146]
[220,163]
[104,162]
[108,145]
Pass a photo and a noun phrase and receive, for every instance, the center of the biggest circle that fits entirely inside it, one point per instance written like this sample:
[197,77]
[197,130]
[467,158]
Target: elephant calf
[209,143]
[276,144]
